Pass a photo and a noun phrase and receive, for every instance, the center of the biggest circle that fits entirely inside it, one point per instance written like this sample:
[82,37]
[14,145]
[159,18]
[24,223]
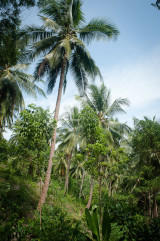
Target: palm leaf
[98,29]
[48,23]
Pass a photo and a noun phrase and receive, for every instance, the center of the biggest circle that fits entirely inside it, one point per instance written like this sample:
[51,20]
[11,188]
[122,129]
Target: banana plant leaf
[106,225]
[93,223]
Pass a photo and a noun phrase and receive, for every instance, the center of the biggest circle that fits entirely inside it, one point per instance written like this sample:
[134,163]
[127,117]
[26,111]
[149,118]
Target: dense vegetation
[102,179]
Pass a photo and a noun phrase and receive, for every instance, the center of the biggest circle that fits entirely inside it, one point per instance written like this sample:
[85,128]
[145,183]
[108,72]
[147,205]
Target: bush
[55,226]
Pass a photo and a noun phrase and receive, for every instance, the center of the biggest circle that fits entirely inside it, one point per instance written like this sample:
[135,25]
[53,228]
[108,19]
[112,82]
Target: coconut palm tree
[12,81]
[99,99]
[77,169]
[61,43]
[70,137]
[60,165]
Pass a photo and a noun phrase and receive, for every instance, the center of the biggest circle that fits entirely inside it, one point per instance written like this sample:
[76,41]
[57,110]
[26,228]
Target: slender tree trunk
[100,197]
[63,171]
[110,188]
[53,142]
[80,193]
[149,209]
[135,185]
[40,209]
[90,195]
[145,207]
[67,174]
[155,209]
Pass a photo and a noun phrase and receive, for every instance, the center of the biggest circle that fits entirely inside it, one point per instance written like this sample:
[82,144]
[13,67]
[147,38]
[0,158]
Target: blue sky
[130,65]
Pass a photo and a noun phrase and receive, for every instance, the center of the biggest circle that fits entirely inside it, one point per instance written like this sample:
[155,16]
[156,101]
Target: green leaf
[106,225]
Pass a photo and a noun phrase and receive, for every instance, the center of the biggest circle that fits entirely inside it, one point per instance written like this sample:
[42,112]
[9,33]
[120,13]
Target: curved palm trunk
[53,142]
[67,175]
[90,195]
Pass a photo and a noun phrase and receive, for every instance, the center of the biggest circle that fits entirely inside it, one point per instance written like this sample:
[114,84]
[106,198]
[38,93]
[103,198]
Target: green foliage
[92,221]
[90,123]
[17,200]
[99,99]
[31,136]
[93,224]
[3,150]
[56,226]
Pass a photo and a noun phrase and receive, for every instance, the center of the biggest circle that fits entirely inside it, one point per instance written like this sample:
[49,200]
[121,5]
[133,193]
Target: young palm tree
[61,43]
[69,136]
[60,165]
[99,99]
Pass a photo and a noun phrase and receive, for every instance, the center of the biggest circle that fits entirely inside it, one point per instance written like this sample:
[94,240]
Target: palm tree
[12,81]
[99,99]
[60,42]
[70,137]
[77,170]
[60,165]
[13,76]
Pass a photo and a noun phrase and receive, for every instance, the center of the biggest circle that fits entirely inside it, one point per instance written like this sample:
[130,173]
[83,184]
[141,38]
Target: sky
[130,65]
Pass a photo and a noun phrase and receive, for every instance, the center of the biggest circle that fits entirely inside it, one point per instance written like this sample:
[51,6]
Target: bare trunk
[110,188]
[90,195]
[145,207]
[100,197]
[63,171]
[80,193]
[135,185]
[53,142]
[67,174]
[155,209]
[149,210]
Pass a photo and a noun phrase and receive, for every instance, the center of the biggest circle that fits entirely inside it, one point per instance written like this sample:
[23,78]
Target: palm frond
[98,29]
[83,66]
[77,14]
[43,47]
[54,12]
[48,23]
[116,106]
[34,33]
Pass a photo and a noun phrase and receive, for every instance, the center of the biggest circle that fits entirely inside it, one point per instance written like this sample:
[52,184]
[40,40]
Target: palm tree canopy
[99,99]
[69,134]
[61,37]
[12,81]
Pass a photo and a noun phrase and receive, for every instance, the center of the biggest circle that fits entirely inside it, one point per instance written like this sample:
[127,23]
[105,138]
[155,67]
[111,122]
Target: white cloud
[138,81]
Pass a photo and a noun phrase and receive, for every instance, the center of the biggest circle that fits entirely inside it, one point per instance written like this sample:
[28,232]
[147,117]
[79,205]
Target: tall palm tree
[60,42]
[99,99]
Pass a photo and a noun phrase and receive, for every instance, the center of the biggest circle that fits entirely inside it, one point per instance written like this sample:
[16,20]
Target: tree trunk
[67,174]
[100,197]
[110,188]
[80,193]
[155,209]
[53,142]
[63,171]
[149,209]
[90,195]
